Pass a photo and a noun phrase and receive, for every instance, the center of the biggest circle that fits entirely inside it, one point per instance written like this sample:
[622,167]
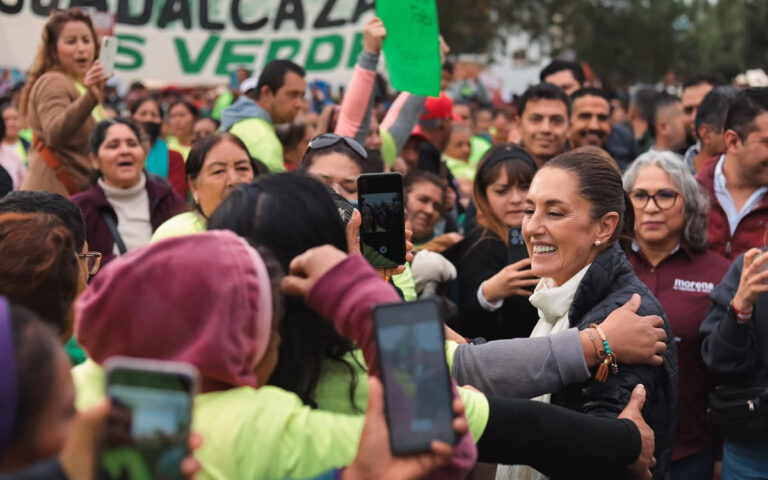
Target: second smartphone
[150,418]
[418,396]
[382,231]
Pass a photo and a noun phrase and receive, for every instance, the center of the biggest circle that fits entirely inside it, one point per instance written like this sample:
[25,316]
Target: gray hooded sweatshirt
[243,109]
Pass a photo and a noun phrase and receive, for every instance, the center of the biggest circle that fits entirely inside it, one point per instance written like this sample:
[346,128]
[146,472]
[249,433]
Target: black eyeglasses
[664,199]
[325,140]
[92,261]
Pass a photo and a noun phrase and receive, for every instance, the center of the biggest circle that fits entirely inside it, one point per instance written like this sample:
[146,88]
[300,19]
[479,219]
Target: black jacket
[737,354]
[622,146]
[477,258]
[609,284]
[46,470]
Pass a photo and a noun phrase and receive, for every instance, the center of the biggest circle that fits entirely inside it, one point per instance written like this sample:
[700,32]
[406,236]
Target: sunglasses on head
[326,140]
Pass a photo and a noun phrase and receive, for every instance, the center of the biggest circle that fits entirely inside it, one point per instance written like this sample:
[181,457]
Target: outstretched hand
[307,268]
[374,459]
[641,468]
[634,339]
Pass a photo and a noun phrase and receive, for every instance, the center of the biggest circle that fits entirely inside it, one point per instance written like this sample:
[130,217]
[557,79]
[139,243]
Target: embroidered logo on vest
[692,286]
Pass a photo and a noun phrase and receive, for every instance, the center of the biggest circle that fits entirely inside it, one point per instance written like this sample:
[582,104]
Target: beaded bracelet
[595,343]
[610,357]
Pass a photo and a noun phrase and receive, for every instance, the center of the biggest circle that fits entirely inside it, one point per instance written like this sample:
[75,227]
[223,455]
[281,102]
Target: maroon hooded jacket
[164,203]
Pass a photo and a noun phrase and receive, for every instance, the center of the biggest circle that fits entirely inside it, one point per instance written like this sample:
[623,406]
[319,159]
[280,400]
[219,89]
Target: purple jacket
[163,204]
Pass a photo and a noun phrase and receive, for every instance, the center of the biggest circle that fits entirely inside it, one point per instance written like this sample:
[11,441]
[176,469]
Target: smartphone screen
[516,249]
[417,385]
[764,266]
[382,231]
[148,426]
[107,55]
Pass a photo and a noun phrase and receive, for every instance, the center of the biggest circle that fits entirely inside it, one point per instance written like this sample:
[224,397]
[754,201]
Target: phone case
[124,388]
[382,252]
[425,446]
[107,55]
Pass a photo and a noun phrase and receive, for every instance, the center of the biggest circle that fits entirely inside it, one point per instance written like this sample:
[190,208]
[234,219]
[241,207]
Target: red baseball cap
[437,108]
[418,132]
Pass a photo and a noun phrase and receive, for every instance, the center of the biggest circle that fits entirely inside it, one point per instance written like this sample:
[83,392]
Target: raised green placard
[412,46]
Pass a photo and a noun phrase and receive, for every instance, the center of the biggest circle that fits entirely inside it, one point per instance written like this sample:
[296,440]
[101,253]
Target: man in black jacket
[735,349]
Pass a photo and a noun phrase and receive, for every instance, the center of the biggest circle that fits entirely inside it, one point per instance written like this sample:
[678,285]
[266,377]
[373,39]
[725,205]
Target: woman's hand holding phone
[374,457]
[353,245]
[95,81]
[353,232]
[511,280]
[753,282]
[78,456]
[385,273]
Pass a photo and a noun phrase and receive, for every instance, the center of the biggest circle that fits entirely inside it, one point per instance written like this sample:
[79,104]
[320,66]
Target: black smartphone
[147,434]
[516,249]
[417,385]
[382,231]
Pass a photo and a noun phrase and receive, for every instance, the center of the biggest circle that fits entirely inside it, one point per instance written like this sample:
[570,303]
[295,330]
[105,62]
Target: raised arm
[728,347]
[60,117]
[356,107]
[402,117]
[528,367]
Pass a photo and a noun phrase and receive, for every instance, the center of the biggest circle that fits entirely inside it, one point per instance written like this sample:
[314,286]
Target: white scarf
[553,303]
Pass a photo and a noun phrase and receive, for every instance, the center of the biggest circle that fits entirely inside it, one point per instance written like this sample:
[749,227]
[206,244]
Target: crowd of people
[599,261]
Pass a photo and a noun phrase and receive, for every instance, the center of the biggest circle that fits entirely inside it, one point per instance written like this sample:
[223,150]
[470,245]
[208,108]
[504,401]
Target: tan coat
[61,118]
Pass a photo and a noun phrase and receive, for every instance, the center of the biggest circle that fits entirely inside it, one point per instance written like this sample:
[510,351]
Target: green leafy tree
[624,40]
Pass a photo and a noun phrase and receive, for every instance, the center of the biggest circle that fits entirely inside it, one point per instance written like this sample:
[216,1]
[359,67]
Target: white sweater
[131,206]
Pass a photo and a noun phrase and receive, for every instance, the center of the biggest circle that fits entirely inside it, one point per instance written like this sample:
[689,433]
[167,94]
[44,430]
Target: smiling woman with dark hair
[576,216]
[125,204]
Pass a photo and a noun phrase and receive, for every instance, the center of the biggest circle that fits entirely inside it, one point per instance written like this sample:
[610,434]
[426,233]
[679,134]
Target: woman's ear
[192,189]
[94,161]
[607,226]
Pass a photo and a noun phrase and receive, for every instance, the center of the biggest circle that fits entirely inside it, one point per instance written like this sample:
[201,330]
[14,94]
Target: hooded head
[204,299]
[8,386]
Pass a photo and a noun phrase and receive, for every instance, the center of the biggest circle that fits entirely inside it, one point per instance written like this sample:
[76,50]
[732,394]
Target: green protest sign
[412,48]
